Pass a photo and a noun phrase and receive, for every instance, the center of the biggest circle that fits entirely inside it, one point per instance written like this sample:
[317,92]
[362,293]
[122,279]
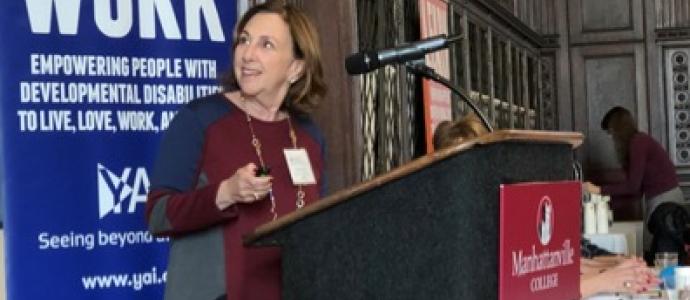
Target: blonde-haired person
[448,133]
[221,170]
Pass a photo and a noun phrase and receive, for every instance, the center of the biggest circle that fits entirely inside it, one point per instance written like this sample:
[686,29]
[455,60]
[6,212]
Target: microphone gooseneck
[423,70]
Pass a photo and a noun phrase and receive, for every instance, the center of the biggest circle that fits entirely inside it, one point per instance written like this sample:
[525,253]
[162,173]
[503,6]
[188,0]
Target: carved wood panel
[603,77]
[595,21]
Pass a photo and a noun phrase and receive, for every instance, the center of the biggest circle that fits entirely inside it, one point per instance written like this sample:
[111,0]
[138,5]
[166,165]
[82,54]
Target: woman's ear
[296,70]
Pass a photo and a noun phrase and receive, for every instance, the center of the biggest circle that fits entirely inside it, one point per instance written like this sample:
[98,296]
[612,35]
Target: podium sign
[539,248]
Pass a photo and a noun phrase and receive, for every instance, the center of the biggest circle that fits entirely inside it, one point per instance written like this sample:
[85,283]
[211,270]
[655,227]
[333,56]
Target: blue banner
[87,88]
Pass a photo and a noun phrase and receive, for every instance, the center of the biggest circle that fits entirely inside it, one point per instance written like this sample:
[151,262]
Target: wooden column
[337,115]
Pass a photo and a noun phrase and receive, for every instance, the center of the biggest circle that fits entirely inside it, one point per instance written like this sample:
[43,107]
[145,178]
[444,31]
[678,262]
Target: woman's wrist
[223,195]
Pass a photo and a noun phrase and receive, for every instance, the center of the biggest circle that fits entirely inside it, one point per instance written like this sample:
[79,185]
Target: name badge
[299,166]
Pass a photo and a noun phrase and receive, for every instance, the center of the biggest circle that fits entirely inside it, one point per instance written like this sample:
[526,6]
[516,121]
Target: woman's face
[264,61]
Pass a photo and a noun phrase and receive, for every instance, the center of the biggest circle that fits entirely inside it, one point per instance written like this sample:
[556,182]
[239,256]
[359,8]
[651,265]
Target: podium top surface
[574,139]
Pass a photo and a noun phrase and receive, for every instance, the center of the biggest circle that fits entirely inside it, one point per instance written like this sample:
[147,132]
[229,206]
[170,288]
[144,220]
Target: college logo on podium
[545,220]
[544,265]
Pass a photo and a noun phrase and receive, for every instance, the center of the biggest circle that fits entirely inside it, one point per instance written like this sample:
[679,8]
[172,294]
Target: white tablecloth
[614,242]
[623,297]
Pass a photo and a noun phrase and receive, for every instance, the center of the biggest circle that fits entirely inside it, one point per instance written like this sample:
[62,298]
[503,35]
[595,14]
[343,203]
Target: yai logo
[114,189]
[545,220]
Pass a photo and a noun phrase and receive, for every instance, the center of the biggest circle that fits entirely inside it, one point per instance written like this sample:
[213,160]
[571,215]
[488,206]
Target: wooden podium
[426,230]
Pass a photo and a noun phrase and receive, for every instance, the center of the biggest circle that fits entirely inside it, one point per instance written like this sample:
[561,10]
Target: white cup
[590,217]
[683,282]
[602,209]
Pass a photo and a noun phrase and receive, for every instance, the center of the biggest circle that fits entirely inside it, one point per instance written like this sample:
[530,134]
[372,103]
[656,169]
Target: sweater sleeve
[637,162]
[180,199]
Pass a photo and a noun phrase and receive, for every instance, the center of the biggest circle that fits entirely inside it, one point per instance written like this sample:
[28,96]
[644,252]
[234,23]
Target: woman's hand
[593,266]
[243,187]
[591,188]
[630,276]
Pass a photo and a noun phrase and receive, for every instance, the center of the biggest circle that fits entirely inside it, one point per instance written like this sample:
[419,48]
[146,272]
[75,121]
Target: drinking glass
[682,283]
[663,260]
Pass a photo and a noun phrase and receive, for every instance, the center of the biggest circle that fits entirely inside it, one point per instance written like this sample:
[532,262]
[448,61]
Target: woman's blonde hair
[448,133]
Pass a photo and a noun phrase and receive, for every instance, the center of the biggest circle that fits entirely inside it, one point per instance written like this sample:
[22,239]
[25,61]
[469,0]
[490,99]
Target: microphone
[366,61]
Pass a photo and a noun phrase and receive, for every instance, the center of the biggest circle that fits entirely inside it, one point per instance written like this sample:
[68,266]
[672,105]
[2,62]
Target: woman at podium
[234,160]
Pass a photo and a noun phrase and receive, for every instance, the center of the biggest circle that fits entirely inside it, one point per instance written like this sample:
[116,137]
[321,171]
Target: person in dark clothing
[227,162]
[650,173]
[668,223]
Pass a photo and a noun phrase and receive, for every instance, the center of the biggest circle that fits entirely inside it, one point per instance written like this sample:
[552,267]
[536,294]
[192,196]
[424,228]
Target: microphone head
[361,62]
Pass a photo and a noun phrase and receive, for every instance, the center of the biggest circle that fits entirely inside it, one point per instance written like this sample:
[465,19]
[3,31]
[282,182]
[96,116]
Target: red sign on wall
[539,248]
[437,98]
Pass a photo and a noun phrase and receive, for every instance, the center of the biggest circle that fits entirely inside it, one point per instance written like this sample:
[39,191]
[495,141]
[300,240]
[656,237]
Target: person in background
[648,172]
[601,272]
[223,170]
[449,133]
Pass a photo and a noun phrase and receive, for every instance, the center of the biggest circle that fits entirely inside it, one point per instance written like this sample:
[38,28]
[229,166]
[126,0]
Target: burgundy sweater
[207,141]
[650,171]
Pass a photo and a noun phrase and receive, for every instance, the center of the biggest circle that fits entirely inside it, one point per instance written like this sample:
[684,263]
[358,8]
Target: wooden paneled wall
[607,48]
[337,115]
[621,52]
[616,52]
[501,66]
[586,55]
[672,13]
[538,15]
[668,54]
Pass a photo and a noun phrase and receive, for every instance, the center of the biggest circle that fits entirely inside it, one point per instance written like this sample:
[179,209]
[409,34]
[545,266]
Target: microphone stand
[421,69]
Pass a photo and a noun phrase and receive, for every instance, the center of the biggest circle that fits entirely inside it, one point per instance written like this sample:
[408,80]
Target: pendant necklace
[263,170]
